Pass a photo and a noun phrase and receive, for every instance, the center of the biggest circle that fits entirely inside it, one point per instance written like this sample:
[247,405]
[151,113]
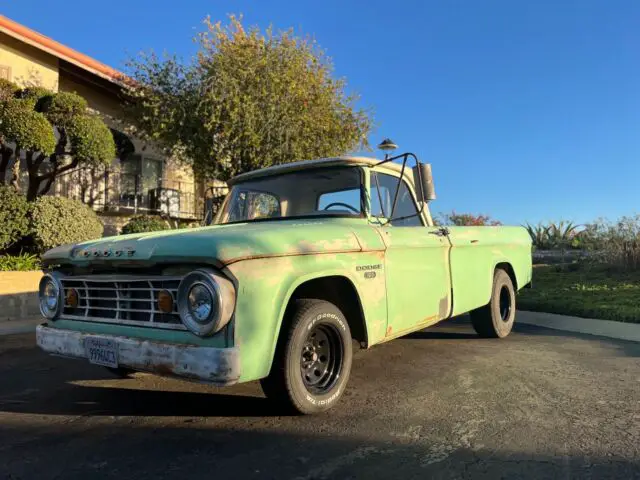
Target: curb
[14,327]
[589,326]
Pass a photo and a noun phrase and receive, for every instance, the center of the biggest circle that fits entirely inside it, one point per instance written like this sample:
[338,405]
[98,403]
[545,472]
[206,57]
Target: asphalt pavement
[441,403]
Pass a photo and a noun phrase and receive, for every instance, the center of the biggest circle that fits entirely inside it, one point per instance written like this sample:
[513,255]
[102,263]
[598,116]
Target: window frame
[263,192]
[412,194]
[363,214]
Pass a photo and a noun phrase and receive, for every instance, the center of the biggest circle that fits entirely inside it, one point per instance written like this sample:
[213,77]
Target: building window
[140,177]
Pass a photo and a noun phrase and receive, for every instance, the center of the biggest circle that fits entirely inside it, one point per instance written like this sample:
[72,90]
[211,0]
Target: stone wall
[19,295]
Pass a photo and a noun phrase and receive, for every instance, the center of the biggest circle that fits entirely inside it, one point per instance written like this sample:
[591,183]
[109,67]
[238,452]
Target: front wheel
[495,320]
[313,359]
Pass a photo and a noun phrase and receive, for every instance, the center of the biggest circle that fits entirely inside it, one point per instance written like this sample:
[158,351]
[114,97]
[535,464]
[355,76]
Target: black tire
[120,372]
[313,359]
[495,320]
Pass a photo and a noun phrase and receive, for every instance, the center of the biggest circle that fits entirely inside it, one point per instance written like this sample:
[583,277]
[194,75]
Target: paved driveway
[441,403]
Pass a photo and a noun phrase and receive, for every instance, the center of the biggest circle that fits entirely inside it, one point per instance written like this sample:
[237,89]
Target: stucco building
[145,180]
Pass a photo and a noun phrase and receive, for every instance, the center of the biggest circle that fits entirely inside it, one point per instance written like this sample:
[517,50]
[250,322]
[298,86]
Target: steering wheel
[340,204]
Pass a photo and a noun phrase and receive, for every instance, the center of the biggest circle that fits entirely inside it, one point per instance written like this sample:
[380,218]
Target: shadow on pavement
[122,451]
[115,401]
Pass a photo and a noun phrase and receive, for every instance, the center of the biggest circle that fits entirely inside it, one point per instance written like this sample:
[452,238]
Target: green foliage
[23,262]
[62,107]
[555,235]
[29,118]
[469,220]
[250,100]
[614,243]
[35,97]
[58,221]
[145,223]
[13,217]
[7,89]
[591,292]
[91,140]
[26,127]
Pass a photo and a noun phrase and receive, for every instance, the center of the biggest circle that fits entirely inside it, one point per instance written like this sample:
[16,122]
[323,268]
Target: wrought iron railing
[112,191]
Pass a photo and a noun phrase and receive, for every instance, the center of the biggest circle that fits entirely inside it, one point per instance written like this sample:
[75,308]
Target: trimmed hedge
[145,223]
[58,221]
[14,223]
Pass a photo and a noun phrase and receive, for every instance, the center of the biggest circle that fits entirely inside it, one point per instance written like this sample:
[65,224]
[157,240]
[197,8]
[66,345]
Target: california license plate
[101,351]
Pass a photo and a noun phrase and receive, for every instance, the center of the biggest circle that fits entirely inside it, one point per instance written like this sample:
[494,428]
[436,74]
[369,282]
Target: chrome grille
[122,299]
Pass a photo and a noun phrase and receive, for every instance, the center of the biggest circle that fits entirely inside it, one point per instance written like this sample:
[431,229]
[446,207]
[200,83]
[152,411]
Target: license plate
[101,351]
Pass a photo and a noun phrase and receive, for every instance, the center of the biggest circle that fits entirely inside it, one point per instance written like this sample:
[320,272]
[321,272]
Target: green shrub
[91,140]
[7,89]
[26,127]
[22,262]
[556,235]
[13,217]
[61,107]
[616,244]
[58,221]
[144,223]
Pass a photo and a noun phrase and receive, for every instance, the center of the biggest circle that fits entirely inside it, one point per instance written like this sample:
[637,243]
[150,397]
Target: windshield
[334,191]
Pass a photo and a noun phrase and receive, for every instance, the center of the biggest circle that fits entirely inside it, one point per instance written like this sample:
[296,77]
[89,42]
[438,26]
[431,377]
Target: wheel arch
[334,287]
[507,267]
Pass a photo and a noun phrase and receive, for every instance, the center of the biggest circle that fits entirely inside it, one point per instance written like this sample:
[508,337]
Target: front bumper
[219,366]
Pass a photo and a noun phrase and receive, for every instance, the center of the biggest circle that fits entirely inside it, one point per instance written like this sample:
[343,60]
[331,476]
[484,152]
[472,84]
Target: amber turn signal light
[72,298]
[165,301]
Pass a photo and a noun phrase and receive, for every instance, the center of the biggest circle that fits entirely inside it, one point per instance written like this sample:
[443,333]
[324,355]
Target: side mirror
[423,179]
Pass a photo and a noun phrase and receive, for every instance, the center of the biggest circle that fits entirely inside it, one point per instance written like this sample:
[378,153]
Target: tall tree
[248,100]
[53,132]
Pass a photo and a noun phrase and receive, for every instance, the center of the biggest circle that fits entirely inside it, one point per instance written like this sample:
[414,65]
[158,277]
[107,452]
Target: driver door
[416,259]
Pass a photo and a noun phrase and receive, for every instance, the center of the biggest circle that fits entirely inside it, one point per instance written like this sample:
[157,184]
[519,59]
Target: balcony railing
[112,191]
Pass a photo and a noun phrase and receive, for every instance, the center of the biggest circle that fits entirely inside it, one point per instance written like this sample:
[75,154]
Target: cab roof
[318,163]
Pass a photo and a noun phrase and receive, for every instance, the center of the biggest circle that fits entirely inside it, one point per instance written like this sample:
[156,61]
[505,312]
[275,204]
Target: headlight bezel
[53,278]
[216,319]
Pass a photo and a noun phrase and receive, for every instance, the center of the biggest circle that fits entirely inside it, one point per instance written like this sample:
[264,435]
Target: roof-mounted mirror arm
[405,157]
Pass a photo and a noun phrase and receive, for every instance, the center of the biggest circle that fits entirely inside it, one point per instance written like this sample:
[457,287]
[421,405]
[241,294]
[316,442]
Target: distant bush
[22,262]
[145,223]
[469,220]
[13,217]
[556,235]
[614,243]
[58,221]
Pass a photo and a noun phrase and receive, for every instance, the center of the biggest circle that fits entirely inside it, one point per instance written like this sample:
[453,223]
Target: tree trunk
[5,158]
[15,176]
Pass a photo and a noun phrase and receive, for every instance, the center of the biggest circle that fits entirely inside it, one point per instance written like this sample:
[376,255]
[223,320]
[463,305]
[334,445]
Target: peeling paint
[219,366]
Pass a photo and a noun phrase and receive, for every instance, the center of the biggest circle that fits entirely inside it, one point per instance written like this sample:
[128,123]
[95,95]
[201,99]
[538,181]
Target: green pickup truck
[303,262]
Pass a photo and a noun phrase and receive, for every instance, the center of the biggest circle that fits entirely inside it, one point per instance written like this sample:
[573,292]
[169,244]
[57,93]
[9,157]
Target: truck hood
[218,244]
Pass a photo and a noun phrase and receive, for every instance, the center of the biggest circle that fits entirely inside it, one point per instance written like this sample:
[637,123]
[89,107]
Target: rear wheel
[313,359]
[495,320]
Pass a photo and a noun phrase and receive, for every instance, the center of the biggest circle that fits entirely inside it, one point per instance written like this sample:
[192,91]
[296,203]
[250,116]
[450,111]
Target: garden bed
[590,292]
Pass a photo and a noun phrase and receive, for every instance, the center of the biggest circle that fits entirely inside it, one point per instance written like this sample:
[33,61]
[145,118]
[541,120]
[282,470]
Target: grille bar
[123,300]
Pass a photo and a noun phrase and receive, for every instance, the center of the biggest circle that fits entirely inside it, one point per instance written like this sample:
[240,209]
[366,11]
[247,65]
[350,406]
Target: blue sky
[528,110]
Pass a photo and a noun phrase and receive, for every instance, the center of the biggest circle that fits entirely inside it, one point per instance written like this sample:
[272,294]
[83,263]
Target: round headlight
[205,301]
[201,303]
[50,296]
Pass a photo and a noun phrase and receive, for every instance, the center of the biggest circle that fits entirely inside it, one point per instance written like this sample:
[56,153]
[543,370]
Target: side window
[340,200]
[383,190]
[250,205]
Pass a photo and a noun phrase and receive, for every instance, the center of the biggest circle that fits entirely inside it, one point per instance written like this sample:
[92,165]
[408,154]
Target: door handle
[440,232]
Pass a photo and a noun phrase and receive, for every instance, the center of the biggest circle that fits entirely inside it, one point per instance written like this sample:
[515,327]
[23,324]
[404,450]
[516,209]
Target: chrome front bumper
[219,366]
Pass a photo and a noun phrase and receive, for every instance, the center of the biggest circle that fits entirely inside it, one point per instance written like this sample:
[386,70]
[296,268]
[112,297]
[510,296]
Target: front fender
[265,287]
